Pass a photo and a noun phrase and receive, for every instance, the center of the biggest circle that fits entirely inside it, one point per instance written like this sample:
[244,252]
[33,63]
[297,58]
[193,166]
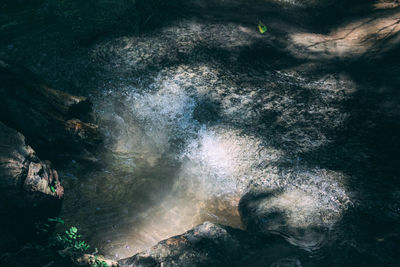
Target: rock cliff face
[54,123]
[20,167]
[30,189]
[36,123]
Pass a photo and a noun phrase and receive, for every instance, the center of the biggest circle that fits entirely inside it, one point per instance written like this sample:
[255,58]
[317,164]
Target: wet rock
[277,211]
[210,244]
[54,123]
[90,260]
[191,248]
[30,189]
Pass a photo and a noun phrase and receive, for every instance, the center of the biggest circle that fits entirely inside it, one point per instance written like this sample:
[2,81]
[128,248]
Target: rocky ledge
[36,122]
[30,189]
[211,244]
[55,123]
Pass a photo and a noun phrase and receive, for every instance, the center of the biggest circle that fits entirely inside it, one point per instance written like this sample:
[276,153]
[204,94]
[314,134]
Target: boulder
[55,123]
[261,213]
[30,189]
[211,244]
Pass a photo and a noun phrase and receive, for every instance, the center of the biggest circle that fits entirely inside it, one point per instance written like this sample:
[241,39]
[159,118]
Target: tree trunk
[54,123]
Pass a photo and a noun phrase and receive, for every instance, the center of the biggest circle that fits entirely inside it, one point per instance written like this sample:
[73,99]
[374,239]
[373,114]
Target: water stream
[199,111]
[194,116]
[176,156]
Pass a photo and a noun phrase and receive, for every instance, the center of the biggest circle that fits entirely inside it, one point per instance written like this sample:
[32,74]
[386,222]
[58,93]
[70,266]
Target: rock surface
[53,122]
[268,211]
[30,189]
[211,244]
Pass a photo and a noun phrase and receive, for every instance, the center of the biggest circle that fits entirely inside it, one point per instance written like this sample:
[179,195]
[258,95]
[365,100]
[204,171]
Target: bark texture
[55,123]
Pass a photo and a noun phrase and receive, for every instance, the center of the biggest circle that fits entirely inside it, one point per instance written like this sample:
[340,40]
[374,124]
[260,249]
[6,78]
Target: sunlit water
[181,149]
[198,111]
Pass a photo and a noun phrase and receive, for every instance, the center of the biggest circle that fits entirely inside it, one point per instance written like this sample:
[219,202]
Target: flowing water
[200,109]
[183,144]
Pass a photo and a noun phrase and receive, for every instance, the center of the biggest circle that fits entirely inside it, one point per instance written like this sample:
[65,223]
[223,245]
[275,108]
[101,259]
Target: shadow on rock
[211,244]
[260,216]
[30,190]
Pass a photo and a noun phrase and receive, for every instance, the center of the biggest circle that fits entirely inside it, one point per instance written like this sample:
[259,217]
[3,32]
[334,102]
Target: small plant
[261,27]
[94,260]
[67,244]
[56,220]
[42,228]
[70,241]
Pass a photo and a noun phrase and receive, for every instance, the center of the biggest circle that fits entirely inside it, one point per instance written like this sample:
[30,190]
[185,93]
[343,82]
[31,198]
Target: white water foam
[214,162]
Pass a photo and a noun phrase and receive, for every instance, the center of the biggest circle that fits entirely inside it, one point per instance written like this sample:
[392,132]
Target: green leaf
[56,220]
[261,27]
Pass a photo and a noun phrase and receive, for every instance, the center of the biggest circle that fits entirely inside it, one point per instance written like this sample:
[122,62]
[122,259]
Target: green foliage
[56,220]
[94,260]
[99,263]
[67,243]
[70,240]
[42,228]
[261,27]
[53,187]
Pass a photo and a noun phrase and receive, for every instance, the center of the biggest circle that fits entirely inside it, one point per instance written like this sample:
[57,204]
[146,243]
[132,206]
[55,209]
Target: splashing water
[165,171]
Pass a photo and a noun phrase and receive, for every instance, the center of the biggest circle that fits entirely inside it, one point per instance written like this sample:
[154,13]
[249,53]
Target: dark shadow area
[207,111]
[20,215]
[366,149]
